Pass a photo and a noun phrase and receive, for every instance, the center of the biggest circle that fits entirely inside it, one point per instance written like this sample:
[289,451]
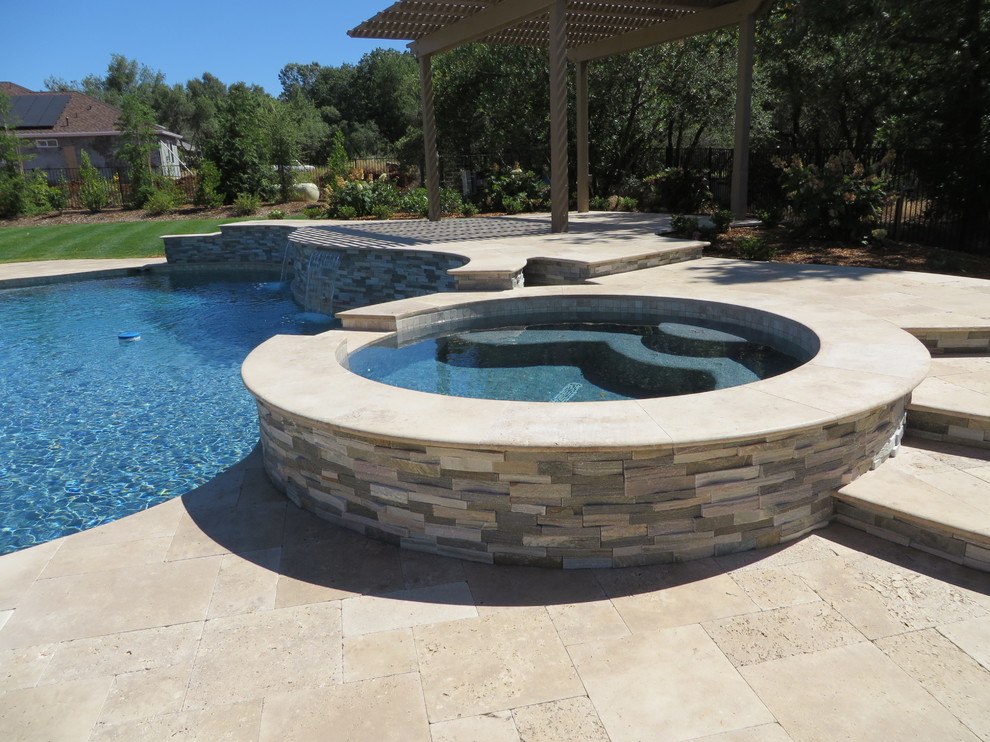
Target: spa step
[953,404]
[932,496]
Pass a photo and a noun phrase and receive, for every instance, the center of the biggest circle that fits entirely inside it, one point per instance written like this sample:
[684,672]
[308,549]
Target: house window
[45,143]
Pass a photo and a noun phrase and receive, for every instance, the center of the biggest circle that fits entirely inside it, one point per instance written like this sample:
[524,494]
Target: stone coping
[861,363]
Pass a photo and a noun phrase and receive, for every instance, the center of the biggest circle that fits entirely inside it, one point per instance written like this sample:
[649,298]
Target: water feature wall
[324,278]
[330,279]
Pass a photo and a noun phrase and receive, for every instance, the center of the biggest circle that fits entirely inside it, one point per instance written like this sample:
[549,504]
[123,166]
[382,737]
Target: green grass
[91,241]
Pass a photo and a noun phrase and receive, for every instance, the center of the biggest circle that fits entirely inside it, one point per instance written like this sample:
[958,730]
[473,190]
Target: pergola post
[559,194]
[581,102]
[744,101]
[432,164]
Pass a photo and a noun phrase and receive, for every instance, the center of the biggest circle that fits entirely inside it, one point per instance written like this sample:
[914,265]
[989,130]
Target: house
[58,126]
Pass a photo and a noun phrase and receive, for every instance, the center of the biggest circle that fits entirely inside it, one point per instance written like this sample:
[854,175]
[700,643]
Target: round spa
[592,470]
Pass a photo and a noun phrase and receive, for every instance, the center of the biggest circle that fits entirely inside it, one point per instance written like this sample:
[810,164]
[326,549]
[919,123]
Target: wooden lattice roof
[597,27]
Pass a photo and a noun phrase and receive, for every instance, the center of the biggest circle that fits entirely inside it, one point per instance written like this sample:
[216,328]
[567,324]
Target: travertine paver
[485,664]
[853,692]
[163,649]
[954,678]
[663,686]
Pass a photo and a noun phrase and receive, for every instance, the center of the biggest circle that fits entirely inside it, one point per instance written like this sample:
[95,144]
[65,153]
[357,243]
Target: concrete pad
[227,530]
[763,733]
[77,558]
[407,608]
[573,719]
[242,658]
[660,686]
[859,694]
[352,712]
[508,659]
[494,586]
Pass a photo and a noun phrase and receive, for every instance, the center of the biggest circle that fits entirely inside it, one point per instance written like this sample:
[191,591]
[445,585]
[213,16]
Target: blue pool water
[576,362]
[94,427]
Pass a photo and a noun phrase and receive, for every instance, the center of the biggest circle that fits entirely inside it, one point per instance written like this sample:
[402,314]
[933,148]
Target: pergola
[579,30]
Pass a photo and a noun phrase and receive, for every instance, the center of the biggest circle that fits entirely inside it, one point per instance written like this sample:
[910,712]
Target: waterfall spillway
[321,280]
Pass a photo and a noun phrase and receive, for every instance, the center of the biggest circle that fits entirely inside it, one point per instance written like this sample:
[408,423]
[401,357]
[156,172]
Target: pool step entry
[953,404]
[934,497]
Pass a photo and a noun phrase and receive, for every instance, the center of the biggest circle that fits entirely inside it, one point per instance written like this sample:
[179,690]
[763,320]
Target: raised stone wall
[234,243]
[327,280]
[573,508]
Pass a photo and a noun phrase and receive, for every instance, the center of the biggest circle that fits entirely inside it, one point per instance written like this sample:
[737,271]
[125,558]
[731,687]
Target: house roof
[62,114]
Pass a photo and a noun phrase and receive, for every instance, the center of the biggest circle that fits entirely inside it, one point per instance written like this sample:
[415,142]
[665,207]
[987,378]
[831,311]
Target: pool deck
[230,614]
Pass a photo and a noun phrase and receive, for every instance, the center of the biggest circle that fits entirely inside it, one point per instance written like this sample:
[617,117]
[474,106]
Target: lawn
[110,240]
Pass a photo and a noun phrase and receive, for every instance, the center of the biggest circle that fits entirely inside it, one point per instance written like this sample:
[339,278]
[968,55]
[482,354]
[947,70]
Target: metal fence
[919,209]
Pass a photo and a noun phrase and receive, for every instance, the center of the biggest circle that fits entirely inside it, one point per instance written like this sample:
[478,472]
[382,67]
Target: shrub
[753,248]
[515,191]
[13,195]
[771,216]
[842,200]
[276,214]
[163,200]
[626,204]
[678,190]
[415,202]
[721,218]
[363,196]
[58,195]
[383,212]
[451,203]
[346,212]
[37,193]
[684,226]
[94,191]
[312,212]
[246,204]
[598,203]
[206,189]
[469,209]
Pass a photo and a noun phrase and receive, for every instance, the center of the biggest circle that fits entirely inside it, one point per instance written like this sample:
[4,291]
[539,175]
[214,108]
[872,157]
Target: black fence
[922,207]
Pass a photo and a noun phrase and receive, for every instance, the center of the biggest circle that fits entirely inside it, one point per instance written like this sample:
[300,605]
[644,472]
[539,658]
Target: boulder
[307,192]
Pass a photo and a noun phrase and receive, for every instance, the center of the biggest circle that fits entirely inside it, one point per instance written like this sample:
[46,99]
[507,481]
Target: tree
[139,139]
[13,187]
[281,126]
[238,144]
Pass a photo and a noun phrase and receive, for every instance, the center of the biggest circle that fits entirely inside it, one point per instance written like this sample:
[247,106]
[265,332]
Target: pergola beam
[479,25]
[690,25]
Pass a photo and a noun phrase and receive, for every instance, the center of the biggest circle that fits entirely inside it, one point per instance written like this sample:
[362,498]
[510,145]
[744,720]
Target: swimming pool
[92,427]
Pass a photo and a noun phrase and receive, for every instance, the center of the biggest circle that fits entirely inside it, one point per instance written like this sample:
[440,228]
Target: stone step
[932,496]
[953,404]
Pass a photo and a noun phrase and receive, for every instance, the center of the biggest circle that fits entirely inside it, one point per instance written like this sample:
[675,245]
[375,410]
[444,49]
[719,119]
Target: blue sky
[242,41]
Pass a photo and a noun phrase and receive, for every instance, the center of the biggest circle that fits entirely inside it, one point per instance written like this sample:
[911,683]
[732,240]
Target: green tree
[281,125]
[139,140]
[238,144]
[13,187]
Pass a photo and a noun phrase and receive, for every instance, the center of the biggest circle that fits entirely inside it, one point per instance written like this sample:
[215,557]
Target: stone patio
[230,614]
